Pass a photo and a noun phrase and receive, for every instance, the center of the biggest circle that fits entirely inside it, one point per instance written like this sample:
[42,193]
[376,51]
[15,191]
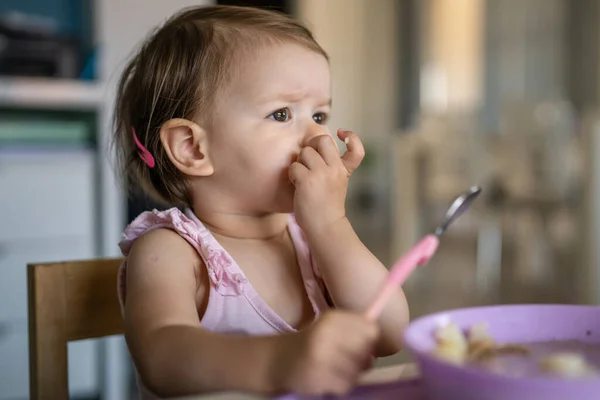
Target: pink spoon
[420,253]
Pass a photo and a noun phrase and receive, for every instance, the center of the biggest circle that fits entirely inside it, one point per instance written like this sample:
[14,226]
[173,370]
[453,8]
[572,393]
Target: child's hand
[320,176]
[328,357]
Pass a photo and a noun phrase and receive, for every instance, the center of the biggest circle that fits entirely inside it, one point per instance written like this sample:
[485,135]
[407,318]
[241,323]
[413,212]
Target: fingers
[326,147]
[340,349]
[297,172]
[356,151]
[346,367]
[355,352]
[322,151]
[360,338]
[361,343]
[311,158]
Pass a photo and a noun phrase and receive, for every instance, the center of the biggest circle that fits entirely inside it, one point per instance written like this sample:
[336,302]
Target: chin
[285,203]
[280,197]
[285,208]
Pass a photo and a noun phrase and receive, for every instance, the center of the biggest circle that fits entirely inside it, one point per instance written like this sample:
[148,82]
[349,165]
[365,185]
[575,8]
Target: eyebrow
[290,96]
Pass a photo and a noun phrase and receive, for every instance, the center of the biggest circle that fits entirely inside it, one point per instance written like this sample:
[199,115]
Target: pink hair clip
[144,153]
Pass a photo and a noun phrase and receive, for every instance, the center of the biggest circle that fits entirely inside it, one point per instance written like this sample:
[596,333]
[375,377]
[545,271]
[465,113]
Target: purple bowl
[507,323]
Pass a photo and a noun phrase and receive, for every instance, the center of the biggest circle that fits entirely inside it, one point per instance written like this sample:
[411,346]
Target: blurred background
[444,93]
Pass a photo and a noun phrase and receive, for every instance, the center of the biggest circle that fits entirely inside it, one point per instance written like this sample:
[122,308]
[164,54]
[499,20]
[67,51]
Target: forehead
[283,70]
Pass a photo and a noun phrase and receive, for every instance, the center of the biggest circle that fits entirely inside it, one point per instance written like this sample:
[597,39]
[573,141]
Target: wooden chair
[67,301]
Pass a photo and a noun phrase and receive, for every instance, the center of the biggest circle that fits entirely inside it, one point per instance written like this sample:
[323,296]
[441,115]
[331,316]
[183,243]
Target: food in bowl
[477,348]
[567,364]
[451,345]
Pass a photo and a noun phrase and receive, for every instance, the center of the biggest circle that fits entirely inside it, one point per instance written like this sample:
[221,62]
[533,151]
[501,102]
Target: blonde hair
[177,73]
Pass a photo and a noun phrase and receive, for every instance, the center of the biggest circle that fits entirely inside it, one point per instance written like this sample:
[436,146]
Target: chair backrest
[67,301]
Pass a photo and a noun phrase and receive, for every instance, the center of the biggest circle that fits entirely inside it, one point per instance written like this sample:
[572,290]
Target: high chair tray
[399,390]
[398,382]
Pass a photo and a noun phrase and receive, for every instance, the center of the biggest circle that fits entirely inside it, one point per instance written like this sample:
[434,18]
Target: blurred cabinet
[47,213]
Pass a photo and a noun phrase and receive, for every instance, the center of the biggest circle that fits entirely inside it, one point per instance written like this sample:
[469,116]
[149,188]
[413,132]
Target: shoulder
[163,253]
[163,247]
[166,279]
[172,219]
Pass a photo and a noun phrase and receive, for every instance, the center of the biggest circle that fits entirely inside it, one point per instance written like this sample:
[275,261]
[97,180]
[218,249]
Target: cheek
[278,162]
[262,159]
[279,154]
[238,155]
[264,163]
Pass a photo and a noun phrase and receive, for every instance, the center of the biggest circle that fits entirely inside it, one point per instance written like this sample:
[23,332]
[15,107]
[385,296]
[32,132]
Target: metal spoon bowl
[457,208]
[420,253]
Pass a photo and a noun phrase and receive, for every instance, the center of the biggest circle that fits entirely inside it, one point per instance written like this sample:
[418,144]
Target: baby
[255,280]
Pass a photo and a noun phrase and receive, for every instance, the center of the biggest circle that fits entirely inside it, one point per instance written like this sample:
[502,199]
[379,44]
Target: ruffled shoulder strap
[312,273]
[148,221]
[225,275]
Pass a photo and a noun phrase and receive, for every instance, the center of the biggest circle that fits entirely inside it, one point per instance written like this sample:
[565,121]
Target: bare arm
[173,354]
[353,276]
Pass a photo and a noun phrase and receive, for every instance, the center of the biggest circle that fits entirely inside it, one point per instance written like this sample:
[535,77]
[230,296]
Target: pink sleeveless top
[234,306]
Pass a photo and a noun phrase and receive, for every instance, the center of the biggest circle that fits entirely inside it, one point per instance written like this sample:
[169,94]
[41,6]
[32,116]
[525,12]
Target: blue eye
[281,115]
[320,118]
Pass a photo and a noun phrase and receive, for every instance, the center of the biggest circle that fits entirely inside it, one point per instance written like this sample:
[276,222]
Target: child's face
[279,100]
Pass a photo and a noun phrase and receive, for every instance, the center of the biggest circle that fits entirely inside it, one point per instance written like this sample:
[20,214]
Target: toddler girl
[259,283]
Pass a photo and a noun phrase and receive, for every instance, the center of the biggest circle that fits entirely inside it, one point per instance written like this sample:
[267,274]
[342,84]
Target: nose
[311,130]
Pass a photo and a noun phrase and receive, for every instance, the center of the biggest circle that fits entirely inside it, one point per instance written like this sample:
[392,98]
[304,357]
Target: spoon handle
[419,254]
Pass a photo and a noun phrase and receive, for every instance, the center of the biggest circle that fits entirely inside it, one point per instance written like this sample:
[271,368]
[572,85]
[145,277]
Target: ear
[186,145]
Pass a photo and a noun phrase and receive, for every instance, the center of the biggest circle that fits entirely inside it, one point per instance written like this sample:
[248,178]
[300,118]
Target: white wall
[453,55]
[362,41]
